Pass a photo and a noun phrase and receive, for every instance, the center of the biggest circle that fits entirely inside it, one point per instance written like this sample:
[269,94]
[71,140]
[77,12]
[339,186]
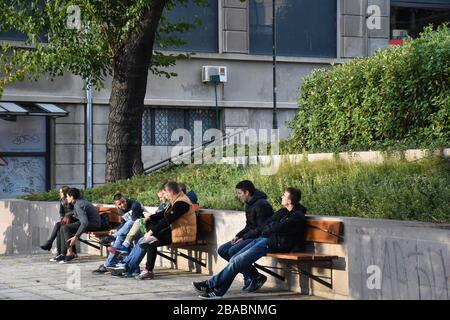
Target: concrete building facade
[239,39]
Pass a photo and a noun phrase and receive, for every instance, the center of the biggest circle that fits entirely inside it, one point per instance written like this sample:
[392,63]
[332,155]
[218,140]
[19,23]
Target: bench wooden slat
[301,256]
[323,231]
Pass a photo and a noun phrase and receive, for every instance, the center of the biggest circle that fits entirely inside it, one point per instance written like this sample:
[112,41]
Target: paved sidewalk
[33,277]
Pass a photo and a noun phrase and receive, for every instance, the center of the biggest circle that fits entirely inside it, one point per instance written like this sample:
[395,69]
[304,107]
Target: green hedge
[400,95]
[394,190]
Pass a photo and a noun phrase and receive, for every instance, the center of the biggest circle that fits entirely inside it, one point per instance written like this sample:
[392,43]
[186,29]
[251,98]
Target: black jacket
[257,211]
[135,207]
[285,229]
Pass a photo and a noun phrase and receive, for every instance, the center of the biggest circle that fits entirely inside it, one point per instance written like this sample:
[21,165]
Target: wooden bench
[205,226]
[94,237]
[317,231]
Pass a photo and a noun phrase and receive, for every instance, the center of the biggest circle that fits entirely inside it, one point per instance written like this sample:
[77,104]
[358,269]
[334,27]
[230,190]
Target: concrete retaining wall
[378,259]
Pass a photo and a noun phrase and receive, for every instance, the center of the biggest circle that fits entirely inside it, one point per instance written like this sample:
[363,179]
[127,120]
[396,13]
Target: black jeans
[68,230]
[165,238]
[56,235]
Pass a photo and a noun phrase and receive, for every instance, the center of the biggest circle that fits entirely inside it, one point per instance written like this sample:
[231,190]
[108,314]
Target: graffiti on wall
[19,175]
[400,268]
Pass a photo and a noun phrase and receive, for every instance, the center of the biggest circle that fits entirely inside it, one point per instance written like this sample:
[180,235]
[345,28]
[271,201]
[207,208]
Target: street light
[274,58]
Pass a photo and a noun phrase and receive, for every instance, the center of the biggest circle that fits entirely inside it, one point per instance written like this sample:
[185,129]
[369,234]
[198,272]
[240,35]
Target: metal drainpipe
[89,137]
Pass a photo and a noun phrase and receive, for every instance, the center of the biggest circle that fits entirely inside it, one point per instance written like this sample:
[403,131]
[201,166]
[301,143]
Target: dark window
[15,35]
[204,38]
[305,28]
[159,124]
[409,18]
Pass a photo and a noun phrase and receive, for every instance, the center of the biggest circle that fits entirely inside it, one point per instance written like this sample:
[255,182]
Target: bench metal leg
[266,270]
[181,254]
[160,253]
[192,259]
[316,278]
[87,242]
[298,270]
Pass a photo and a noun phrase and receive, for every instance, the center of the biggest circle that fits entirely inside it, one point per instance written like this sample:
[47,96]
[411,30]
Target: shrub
[400,95]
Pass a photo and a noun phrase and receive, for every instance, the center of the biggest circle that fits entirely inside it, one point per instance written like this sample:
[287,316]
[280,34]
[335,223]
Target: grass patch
[393,190]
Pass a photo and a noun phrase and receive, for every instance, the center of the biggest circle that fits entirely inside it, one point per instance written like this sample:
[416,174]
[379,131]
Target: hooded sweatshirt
[257,211]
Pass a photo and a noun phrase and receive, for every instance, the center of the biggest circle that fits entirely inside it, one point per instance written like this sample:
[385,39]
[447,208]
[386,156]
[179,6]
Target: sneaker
[210,295]
[119,249]
[47,246]
[146,275]
[102,269]
[148,241]
[117,272]
[201,287]
[58,258]
[68,259]
[106,241]
[130,275]
[257,283]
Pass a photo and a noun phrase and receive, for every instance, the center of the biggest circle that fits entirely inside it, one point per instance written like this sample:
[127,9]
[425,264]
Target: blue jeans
[133,260]
[120,237]
[228,250]
[240,262]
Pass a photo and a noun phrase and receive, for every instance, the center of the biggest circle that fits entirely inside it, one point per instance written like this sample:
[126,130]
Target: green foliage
[399,96]
[53,48]
[394,190]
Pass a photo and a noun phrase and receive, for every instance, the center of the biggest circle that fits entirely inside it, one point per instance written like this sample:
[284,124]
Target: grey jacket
[88,216]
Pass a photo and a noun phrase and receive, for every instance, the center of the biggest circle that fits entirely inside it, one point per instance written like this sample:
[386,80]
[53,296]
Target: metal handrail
[164,163]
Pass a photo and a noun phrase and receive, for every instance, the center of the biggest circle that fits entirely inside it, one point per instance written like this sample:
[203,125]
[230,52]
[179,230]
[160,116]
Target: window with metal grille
[159,124]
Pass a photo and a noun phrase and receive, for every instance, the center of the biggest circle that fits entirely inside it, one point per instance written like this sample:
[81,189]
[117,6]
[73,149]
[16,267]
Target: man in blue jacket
[281,233]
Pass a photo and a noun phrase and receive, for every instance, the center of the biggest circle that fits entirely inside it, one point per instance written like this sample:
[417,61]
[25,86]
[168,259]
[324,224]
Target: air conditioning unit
[214,74]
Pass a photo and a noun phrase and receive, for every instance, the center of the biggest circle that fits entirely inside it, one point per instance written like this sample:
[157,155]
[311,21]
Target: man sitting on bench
[88,220]
[257,211]
[281,233]
[130,211]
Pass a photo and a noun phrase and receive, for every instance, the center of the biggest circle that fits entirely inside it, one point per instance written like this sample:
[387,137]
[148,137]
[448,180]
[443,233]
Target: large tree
[95,39]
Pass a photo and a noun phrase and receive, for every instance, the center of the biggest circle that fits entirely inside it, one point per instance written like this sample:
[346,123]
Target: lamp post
[274,58]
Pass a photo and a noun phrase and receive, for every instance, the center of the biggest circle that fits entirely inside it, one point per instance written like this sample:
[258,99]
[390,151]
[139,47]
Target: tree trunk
[131,67]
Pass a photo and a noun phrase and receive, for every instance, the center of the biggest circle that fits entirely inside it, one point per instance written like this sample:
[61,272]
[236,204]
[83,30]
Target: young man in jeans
[282,232]
[88,220]
[123,205]
[129,267]
[257,211]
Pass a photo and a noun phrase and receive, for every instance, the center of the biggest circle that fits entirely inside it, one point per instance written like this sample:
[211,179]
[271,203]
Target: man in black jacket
[257,211]
[282,232]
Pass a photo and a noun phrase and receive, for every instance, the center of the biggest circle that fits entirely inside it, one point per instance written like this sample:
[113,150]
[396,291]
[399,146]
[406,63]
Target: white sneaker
[58,258]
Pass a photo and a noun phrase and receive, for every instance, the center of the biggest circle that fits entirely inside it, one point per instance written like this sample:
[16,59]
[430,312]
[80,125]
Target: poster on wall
[21,175]
[26,134]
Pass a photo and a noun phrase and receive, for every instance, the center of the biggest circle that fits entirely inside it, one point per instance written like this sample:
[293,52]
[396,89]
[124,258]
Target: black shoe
[67,259]
[246,285]
[106,241]
[210,295]
[47,246]
[257,283]
[201,287]
[102,269]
